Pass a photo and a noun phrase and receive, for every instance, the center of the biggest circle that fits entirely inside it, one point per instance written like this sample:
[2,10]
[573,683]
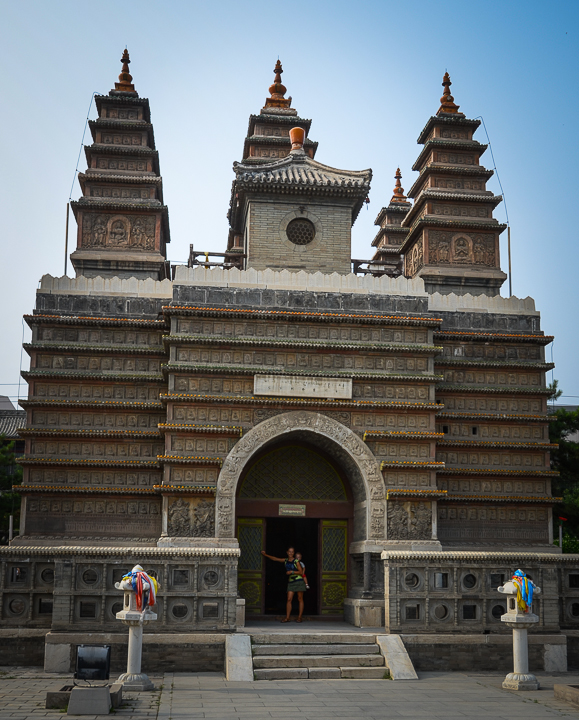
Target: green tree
[10,474]
[565,459]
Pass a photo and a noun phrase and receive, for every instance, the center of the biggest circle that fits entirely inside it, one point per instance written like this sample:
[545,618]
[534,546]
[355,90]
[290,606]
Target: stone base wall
[484,652]
[456,592]
[161,653]
[57,587]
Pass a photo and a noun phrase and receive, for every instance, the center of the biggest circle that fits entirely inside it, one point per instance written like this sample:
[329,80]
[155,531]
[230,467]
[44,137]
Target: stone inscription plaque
[295,386]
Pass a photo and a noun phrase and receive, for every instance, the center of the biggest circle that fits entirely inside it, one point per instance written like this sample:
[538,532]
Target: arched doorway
[293,494]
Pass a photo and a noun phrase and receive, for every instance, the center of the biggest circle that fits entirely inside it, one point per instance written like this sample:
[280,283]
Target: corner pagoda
[453,239]
[123,224]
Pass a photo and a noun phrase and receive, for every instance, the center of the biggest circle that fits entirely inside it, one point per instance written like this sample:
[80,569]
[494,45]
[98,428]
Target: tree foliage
[10,474]
[565,459]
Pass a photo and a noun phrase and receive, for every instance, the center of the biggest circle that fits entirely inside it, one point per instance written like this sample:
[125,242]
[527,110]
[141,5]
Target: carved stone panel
[191,517]
[447,248]
[132,232]
[409,520]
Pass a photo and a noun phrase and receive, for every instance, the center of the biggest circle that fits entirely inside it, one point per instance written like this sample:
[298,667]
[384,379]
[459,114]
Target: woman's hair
[291,548]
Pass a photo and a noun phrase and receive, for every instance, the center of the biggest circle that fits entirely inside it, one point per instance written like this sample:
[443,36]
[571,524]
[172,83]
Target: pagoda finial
[399,195]
[277,90]
[447,101]
[125,78]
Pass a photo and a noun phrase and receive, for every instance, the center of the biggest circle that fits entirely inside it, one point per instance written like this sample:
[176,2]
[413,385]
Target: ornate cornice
[84,347]
[512,390]
[41,319]
[362,318]
[96,404]
[534,499]
[485,336]
[475,444]
[97,375]
[203,429]
[491,471]
[189,460]
[286,401]
[506,364]
[299,343]
[491,416]
[99,434]
[188,368]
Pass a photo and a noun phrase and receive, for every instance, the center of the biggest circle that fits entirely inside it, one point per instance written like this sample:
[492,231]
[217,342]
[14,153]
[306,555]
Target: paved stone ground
[209,695]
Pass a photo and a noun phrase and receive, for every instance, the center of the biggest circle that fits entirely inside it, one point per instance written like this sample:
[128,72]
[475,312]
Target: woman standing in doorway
[295,584]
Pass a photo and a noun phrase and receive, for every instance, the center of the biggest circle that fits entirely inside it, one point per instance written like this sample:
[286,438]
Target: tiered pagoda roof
[123,224]
[391,235]
[452,238]
[268,133]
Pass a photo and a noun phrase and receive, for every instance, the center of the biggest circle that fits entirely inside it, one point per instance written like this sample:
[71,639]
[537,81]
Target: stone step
[303,638]
[281,674]
[365,673]
[312,649]
[358,673]
[305,661]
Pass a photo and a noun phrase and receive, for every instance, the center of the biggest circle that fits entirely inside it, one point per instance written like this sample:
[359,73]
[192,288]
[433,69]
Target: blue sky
[367,74]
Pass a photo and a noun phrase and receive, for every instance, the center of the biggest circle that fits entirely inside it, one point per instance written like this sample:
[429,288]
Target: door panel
[334,579]
[250,533]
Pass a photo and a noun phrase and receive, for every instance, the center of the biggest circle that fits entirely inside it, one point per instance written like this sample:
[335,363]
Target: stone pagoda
[391,236]
[268,133]
[123,225]
[453,239]
[287,210]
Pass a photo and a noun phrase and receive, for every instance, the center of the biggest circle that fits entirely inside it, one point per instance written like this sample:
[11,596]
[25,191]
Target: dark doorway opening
[301,534]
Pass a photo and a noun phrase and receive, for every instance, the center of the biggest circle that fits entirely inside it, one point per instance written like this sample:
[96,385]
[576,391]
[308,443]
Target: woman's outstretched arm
[271,557]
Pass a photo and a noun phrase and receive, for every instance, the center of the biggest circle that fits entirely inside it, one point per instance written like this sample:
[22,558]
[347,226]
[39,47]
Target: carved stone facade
[145,415]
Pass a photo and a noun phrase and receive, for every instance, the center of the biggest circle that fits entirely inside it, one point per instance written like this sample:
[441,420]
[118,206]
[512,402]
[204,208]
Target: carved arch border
[318,424]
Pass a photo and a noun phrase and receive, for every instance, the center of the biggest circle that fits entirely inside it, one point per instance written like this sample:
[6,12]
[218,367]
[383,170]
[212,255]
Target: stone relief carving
[179,519]
[445,248]
[415,259]
[204,519]
[185,520]
[316,423]
[409,521]
[114,231]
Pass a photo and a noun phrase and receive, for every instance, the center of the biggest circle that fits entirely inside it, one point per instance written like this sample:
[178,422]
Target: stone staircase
[317,656]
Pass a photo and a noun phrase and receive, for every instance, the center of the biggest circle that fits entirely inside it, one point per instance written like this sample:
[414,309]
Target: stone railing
[481,303]
[285,280]
[127,287]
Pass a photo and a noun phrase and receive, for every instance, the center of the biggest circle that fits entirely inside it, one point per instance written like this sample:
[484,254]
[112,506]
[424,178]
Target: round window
[116,608]
[574,609]
[412,580]
[179,610]
[89,577]
[211,577]
[301,231]
[498,611]
[440,612]
[469,581]
[17,606]
[47,576]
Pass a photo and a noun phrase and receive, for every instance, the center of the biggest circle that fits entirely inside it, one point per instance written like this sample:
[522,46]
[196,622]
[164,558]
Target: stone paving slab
[209,695]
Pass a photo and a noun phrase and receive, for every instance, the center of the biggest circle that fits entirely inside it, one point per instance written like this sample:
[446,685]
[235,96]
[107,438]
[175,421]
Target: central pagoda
[288,211]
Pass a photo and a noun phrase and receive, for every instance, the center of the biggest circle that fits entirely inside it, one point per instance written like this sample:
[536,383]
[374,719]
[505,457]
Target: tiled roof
[11,421]
[302,172]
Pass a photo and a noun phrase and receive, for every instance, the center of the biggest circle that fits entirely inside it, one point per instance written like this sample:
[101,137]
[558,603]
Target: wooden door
[334,566]
[250,534]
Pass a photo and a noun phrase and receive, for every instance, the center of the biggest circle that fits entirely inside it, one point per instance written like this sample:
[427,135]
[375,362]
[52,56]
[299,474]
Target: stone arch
[349,449]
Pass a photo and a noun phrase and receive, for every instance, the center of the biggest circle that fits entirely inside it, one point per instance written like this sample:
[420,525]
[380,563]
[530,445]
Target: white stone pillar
[520,621]
[134,679]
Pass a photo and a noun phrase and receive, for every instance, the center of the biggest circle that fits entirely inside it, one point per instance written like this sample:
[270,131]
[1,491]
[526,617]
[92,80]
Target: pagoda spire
[277,90]
[125,78]
[447,101]
[399,195]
